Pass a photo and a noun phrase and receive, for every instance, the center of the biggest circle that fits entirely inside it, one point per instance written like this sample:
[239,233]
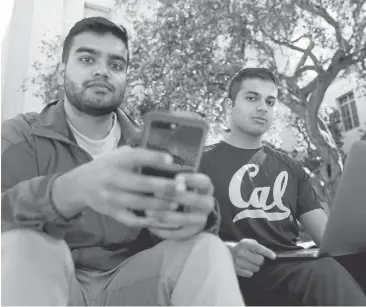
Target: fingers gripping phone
[181,136]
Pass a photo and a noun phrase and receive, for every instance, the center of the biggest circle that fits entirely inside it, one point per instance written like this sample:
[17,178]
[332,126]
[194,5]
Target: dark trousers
[322,281]
[356,266]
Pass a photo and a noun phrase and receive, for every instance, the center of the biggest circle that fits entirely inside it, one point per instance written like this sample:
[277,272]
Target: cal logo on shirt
[257,206]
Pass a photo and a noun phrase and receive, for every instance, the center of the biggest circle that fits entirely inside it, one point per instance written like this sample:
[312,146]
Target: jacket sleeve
[214,219]
[26,199]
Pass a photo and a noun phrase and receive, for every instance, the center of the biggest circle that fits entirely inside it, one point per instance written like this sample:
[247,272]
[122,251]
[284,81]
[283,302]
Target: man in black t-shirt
[262,194]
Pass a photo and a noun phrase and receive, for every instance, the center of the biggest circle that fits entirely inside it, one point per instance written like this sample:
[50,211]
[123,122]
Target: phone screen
[182,141]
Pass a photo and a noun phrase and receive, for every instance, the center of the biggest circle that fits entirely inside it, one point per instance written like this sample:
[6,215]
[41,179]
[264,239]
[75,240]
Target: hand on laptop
[248,256]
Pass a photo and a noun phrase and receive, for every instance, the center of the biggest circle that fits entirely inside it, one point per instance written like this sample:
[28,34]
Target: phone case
[163,116]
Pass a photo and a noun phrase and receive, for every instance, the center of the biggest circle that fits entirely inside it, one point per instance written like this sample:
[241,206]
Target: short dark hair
[249,73]
[99,25]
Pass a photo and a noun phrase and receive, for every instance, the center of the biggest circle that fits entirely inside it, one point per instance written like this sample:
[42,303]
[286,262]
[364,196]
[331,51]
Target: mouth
[100,85]
[260,119]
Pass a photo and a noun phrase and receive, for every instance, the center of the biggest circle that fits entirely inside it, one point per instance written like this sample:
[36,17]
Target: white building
[31,21]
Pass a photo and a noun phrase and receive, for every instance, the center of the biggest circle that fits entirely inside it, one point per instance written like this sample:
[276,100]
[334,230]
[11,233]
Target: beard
[252,130]
[91,103]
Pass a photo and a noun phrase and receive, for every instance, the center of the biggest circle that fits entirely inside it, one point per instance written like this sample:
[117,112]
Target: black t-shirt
[261,193]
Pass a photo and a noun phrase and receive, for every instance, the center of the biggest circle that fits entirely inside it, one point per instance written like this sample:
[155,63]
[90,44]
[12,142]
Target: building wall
[16,58]
[337,89]
[4,56]
[47,22]
[32,21]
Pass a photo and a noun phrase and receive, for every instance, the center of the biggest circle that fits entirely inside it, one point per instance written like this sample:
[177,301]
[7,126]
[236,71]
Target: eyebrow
[95,52]
[252,93]
[257,94]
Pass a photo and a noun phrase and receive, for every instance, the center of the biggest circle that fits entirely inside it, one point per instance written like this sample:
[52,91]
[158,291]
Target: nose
[102,71]
[262,106]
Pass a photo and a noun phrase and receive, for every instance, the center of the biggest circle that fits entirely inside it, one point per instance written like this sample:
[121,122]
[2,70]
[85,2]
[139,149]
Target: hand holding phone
[198,203]
[183,137]
[121,191]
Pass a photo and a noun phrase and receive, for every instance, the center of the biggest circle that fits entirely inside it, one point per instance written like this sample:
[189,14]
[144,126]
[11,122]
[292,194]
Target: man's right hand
[111,186]
[248,256]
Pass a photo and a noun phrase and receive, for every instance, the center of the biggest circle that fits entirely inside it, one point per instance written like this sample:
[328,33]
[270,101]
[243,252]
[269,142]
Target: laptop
[345,231]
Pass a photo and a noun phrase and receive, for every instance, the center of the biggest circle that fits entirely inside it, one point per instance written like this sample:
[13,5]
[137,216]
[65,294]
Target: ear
[229,104]
[60,70]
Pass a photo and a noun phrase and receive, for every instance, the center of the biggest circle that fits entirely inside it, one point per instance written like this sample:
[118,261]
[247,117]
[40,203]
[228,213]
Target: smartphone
[182,137]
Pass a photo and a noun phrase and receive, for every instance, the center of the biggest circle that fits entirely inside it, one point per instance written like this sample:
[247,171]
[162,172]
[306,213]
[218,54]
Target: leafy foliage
[179,62]
[45,78]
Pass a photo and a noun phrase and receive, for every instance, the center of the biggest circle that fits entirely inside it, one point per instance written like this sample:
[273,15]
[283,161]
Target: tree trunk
[331,169]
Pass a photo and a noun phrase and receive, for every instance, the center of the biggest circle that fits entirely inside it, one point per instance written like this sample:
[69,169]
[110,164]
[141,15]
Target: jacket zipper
[102,218]
[62,139]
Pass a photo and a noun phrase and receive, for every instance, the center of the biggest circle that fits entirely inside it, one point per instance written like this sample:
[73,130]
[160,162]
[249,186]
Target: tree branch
[304,51]
[319,86]
[356,12]
[300,64]
[303,69]
[266,48]
[299,38]
[288,65]
[291,45]
[322,12]
[296,108]
[294,98]
[339,61]
[303,131]
[299,68]
[362,26]
[309,88]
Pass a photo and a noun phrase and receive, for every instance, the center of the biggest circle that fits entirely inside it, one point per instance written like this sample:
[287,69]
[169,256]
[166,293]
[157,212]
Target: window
[93,10]
[348,109]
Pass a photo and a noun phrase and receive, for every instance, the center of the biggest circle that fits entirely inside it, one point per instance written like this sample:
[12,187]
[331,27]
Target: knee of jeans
[328,268]
[27,242]
[210,244]
[208,237]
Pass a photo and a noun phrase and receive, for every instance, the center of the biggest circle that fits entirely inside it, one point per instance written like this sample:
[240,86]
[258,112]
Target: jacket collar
[52,123]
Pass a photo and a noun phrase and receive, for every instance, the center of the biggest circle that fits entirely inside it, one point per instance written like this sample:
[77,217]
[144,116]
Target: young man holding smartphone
[70,234]
[262,193]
